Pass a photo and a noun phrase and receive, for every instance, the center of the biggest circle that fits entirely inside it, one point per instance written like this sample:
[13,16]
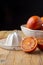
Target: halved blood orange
[29,44]
[40,44]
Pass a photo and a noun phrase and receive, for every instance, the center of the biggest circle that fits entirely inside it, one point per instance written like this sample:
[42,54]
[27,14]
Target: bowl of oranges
[33,30]
[33,27]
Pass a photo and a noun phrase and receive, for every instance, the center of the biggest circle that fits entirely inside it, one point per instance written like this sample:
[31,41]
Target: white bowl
[32,33]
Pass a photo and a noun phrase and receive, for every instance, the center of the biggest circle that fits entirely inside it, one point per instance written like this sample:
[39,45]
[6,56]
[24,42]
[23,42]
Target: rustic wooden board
[8,57]
[20,58]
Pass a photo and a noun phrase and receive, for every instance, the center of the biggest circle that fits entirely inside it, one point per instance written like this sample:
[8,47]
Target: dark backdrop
[15,13]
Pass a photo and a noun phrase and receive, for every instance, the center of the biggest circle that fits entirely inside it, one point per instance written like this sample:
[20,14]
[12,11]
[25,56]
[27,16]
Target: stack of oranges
[29,44]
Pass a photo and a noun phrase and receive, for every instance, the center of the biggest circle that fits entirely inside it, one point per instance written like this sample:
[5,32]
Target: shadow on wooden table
[36,52]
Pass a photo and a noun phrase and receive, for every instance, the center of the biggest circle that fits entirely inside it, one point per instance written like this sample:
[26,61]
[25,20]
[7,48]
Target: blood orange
[29,44]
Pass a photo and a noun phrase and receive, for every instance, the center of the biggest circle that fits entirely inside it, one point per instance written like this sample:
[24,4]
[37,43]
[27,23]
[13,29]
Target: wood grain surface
[8,57]
[20,58]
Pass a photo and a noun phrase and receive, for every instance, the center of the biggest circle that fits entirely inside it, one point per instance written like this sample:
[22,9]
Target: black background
[15,13]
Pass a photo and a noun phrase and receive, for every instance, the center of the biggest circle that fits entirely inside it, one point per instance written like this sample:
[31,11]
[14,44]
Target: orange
[42,28]
[42,23]
[29,44]
[40,44]
[34,23]
[42,19]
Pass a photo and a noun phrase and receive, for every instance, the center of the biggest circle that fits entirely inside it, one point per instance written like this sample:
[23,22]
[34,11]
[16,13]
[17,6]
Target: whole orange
[34,23]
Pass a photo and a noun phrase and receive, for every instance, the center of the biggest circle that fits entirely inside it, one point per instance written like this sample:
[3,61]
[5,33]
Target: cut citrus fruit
[29,44]
[40,44]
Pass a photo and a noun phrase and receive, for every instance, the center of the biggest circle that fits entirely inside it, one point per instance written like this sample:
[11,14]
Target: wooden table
[20,58]
[8,57]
